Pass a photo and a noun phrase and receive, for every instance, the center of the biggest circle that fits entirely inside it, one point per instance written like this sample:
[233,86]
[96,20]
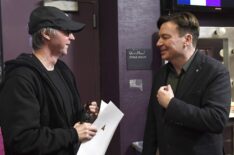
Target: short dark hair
[186,21]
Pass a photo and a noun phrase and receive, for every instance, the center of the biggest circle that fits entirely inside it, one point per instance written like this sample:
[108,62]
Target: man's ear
[188,39]
[45,35]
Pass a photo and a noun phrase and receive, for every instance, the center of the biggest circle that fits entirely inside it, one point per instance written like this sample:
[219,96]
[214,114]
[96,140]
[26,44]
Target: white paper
[106,123]
[231,114]
[102,106]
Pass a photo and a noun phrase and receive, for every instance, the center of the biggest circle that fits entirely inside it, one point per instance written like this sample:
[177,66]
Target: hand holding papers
[106,123]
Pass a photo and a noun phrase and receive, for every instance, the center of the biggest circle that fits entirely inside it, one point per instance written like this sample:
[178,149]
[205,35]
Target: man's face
[60,42]
[170,43]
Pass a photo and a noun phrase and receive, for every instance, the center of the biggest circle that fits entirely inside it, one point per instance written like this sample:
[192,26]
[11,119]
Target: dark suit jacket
[195,118]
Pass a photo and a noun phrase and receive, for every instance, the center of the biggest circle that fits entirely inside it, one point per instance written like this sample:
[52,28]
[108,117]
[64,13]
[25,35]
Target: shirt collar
[186,65]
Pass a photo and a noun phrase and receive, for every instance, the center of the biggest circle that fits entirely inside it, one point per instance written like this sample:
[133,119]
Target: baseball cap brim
[44,17]
[72,26]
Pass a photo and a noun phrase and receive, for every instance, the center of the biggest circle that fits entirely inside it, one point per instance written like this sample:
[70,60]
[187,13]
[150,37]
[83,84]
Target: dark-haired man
[191,95]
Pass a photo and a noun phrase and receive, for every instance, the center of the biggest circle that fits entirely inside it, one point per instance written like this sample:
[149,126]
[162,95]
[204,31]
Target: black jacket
[194,121]
[32,117]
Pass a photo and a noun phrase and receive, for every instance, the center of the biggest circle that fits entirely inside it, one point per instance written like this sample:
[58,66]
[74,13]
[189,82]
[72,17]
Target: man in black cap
[40,109]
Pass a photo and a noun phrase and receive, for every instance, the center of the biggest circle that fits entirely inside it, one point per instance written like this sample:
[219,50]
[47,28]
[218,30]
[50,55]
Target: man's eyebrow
[164,35]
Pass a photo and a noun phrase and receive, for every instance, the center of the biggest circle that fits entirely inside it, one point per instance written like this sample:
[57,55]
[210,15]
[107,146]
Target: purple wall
[14,26]
[110,61]
[123,25]
[137,24]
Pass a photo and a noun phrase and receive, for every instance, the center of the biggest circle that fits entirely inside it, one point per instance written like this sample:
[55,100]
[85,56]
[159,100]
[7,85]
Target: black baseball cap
[47,16]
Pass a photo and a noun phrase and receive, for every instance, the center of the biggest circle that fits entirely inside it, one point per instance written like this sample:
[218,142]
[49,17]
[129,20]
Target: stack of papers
[106,123]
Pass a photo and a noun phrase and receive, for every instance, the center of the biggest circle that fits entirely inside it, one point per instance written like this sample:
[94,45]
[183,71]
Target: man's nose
[159,42]
[71,36]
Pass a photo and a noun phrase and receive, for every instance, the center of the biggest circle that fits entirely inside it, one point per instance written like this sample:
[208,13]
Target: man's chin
[63,54]
[64,51]
[164,58]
